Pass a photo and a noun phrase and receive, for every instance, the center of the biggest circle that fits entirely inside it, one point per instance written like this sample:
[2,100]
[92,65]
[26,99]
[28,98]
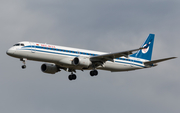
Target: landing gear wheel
[23,66]
[94,73]
[91,73]
[72,77]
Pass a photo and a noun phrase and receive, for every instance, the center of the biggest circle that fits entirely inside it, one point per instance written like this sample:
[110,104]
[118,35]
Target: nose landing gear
[23,66]
[24,62]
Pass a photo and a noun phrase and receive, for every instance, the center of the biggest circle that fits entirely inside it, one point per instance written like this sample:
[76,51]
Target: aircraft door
[33,47]
[132,62]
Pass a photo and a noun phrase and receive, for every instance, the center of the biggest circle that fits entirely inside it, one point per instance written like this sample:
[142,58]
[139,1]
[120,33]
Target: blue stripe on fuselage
[118,60]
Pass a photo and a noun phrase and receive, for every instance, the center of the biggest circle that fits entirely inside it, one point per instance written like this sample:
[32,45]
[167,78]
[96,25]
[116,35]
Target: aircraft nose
[10,52]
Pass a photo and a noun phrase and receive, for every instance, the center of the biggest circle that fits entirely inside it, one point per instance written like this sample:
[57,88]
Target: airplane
[59,58]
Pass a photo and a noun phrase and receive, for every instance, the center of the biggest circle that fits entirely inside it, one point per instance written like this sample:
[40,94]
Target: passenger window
[22,44]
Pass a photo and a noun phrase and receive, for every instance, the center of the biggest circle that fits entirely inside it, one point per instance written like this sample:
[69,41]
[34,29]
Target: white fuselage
[63,56]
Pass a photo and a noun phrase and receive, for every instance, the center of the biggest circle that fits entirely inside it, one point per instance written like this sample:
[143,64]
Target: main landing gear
[72,76]
[94,73]
[24,62]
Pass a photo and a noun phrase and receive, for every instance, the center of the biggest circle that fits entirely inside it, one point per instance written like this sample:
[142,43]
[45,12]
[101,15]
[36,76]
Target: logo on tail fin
[146,48]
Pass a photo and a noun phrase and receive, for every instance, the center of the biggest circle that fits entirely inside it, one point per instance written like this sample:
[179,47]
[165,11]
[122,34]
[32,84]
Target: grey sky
[103,25]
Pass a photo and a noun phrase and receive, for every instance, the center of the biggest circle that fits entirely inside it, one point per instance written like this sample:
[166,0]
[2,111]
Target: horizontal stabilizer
[157,61]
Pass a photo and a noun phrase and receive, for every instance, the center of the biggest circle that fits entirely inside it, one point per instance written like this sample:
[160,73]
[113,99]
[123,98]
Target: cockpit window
[18,44]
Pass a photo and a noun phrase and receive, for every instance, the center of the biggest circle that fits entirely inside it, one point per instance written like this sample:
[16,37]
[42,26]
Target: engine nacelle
[49,68]
[83,62]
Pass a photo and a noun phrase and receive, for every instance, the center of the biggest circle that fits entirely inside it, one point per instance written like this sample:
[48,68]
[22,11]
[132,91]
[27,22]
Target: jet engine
[83,62]
[49,68]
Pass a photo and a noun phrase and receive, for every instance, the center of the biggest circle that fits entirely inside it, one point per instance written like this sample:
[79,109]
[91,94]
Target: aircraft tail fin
[146,53]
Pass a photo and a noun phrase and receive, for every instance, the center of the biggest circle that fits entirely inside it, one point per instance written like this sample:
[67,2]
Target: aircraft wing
[157,61]
[111,56]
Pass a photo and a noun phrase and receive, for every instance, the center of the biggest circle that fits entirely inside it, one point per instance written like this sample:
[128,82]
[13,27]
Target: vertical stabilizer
[146,53]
